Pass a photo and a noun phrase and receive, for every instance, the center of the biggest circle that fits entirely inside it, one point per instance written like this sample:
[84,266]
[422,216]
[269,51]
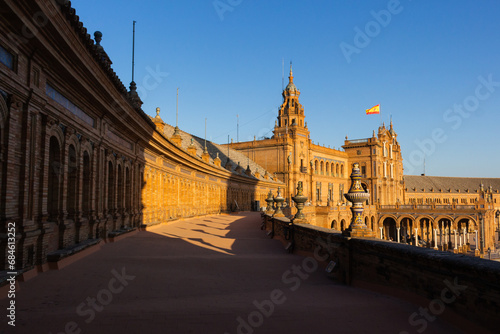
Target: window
[385,149]
[7,58]
[374,169]
[390,151]
[385,168]
[363,171]
[392,171]
[62,100]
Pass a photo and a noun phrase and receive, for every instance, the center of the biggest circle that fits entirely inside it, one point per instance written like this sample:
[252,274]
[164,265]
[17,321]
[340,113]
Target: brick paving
[203,275]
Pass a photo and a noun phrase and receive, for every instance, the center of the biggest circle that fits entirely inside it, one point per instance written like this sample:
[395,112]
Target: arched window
[337,170]
[327,168]
[321,167]
[342,170]
[55,173]
[316,167]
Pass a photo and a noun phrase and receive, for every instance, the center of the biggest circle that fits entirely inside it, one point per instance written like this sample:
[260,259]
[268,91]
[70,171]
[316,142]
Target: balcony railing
[358,141]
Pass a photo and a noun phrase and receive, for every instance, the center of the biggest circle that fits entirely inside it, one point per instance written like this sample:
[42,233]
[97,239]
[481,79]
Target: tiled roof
[212,148]
[415,184]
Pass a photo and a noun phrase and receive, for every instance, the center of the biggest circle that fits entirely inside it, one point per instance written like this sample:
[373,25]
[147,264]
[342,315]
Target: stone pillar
[455,249]
[416,237]
[435,239]
[381,233]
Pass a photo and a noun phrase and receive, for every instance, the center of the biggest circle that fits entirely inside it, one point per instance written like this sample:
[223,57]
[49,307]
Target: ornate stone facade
[400,208]
[79,159]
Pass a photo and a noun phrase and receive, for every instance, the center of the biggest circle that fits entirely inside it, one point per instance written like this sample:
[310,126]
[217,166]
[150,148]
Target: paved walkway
[203,275]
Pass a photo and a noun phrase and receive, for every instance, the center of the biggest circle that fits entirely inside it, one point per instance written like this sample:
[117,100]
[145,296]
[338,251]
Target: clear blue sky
[432,65]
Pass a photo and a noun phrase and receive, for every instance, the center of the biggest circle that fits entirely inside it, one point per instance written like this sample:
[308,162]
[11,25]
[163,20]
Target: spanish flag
[373,110]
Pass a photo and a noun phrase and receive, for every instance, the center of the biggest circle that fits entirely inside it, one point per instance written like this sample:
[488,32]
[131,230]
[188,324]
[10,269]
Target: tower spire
[291,73]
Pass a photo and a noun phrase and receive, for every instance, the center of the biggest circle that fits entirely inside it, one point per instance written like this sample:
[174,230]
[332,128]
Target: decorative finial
[373,134]
[158,112]
[98,37]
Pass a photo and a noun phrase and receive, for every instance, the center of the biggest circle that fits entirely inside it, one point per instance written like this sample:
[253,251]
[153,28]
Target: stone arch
[388,215]
[372,223]
[447,217]
[425,225]
[327,168]
[471,221]
[56,131]
[406,216]
[388,223]
[343,225]
[333,224]
[72,139]
[342,170]
[337,170]
[315,166]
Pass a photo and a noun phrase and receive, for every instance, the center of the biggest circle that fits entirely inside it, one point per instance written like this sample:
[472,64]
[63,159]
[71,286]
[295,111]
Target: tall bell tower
[291,118]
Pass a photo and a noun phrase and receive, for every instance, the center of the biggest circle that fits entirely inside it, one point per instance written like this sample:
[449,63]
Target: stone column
[416,237]
[435,239]
[381,233]
[398,228]
[455,247]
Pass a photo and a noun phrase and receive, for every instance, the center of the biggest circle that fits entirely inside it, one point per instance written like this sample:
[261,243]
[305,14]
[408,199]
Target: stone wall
[79,158]
[455,287]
